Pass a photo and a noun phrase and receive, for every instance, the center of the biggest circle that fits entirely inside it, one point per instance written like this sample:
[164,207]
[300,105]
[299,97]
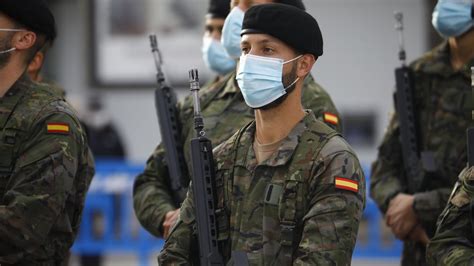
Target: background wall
[360,53]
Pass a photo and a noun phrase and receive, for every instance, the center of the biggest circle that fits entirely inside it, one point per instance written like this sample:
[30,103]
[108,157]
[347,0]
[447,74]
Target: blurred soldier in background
[46,166]
[453,243]
[225,111]
[103,137]
[442,94]
[36,65]
[290,190]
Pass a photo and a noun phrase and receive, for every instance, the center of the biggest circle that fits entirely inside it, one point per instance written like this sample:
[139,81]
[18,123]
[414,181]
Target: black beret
[296,3]
[218,8]
[33,14]
[289,24]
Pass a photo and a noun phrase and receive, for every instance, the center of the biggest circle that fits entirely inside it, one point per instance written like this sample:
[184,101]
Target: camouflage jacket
[293,208]
[441,98]
[225,111]
[453,243]
[45,171]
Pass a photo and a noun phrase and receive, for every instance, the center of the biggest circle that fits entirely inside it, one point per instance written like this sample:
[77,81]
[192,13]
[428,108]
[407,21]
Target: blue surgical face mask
[260,79]
[215,57]
[452,18]
[231,32]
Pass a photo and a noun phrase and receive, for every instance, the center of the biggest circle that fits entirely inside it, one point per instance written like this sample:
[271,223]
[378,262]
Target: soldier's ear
[24,40]
[305,64]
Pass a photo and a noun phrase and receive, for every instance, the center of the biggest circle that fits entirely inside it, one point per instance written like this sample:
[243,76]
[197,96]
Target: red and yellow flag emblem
[347,184]
[331,118]
[57,128]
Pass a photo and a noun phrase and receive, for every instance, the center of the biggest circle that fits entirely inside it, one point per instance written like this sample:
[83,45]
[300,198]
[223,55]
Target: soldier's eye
[268,50]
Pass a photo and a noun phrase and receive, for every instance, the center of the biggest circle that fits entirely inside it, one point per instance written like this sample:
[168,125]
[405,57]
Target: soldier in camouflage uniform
[442,94]
[46,166]
[453,243]
[225,112]
[290,190]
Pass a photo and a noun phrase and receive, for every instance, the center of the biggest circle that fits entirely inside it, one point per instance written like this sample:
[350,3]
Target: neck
[461,50]
[9,74]
[276,123]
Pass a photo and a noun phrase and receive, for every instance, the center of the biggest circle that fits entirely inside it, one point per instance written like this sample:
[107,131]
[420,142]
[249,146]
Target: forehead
[258,38]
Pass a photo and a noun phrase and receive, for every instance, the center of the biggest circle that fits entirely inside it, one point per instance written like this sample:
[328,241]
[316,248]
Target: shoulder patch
[346,184]
[58,128]
[331,118]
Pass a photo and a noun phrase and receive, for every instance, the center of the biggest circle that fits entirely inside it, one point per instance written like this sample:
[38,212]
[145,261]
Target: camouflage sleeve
[453,243]
[318,100]
[181,243]
[384,180]
[337,194]
[428,205]
[152,196]
[41,181]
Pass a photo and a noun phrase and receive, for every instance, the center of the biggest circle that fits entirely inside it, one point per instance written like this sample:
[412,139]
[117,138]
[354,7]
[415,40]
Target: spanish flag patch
[331,118]
[57,128]
[346,184]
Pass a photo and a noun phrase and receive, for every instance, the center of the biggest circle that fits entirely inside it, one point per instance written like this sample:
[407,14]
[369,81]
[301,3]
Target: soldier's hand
[170,219]
[400,216]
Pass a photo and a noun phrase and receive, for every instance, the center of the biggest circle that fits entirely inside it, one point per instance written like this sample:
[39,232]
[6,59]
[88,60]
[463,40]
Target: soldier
[46,166]
[290,189]
[453,243]
[441,96]
[225,112]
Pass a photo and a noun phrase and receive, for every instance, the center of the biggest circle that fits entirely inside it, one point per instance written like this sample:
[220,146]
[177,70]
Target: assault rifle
[165,104]
[204,188]
[404,104]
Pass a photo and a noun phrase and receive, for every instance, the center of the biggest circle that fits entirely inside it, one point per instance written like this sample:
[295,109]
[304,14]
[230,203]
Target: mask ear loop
[12,30]
[291,60]
[293,83]
[8,51]
[298,78]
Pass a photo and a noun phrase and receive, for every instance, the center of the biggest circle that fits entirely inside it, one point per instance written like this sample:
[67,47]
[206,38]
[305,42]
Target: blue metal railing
[109,224]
